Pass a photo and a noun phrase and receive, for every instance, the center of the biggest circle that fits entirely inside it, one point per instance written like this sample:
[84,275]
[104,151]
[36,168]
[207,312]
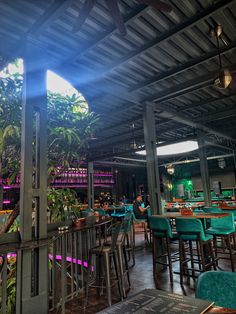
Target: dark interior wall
[131,179]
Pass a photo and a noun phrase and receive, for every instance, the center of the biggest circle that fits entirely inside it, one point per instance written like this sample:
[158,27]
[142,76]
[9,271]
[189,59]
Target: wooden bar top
[195,215]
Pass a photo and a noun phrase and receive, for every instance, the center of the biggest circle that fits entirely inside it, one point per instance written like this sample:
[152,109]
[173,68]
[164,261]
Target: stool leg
[198,254]
[118,274]
[132,247]
[169,259]
[202,256]
[191,259]
[126,266]
[133,230]
[108,277]
[181,260]
[215,249]
[230,253]
[154,256]
[128,245]
[121,268]
[212,254]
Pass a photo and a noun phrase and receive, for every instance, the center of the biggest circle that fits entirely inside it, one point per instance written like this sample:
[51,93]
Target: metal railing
[69,263]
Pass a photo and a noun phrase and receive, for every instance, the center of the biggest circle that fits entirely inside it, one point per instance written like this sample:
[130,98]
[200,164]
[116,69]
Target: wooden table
[154,301]
[195,215]
[228,207]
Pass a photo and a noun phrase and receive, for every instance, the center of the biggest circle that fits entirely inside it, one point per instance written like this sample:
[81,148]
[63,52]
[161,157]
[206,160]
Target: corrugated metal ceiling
[166,58]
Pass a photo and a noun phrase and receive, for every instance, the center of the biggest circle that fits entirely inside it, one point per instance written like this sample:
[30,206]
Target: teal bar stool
[223,228]
[191,230]
[218,287]
[143,223]
[123,246]
[161,229]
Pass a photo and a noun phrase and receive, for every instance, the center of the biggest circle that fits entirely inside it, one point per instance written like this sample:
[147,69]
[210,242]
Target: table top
[228,207]
[154,301]
[195,215]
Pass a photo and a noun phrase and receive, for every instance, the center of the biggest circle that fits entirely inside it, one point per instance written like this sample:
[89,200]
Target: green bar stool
[223,228]
[218,287]
[161,229]
[191,230]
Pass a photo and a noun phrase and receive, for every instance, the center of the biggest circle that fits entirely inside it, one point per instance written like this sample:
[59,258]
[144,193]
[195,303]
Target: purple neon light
[58,257]
[7,202]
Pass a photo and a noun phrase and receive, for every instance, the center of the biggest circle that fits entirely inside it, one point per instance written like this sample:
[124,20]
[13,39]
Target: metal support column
[90,185]
[204,171]
[32,264]
[152,162]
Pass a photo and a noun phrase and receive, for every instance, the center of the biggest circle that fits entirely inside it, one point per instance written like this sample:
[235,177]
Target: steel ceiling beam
[166,94]
[44,21]
[219,115]
[127,19]
[185,108]
[184,67]
[199,16]
[184,119]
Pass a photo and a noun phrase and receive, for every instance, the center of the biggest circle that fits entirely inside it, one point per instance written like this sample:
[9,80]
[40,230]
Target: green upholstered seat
[222,226]
[218,287]
[161,227]
[212,210]
[190,229]
[101,212]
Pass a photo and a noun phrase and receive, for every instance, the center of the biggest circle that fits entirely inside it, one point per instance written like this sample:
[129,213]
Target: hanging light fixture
[170,169]
[225,77]
[221,163]
[133,144]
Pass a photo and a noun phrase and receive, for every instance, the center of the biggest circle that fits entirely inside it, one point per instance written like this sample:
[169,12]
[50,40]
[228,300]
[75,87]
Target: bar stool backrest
[114,231]
[160,226]
[212,210]
[226,223]
[126,226]
[190,229]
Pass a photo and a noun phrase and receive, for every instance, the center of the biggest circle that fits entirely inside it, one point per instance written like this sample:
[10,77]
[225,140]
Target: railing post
[90,185]
[32,266]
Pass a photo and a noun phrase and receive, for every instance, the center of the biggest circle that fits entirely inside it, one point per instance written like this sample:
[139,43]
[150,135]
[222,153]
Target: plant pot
[79,222]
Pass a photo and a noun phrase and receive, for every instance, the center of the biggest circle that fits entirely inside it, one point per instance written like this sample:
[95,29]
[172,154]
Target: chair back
[114,232]
[218,287]
[190,229]
[226,223]
[160,226]
[101,212]
[126,226]
[212,210]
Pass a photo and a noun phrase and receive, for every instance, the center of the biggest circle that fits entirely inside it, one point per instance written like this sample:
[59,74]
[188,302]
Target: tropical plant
[10,118]
[70,126]
[61,202]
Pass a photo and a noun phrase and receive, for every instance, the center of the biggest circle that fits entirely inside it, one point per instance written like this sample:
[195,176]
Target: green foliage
[11,286]
[60,203]
[70,128]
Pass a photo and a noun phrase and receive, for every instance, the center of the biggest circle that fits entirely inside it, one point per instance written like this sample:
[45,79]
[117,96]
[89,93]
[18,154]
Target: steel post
[32,265]
[152,161]
[204,170]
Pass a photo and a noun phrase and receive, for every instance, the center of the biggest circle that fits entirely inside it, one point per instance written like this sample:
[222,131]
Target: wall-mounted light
[221,163]
[170,169]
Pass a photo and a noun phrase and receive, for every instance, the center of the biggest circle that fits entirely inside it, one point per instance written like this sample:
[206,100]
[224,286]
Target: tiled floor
[141,278]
